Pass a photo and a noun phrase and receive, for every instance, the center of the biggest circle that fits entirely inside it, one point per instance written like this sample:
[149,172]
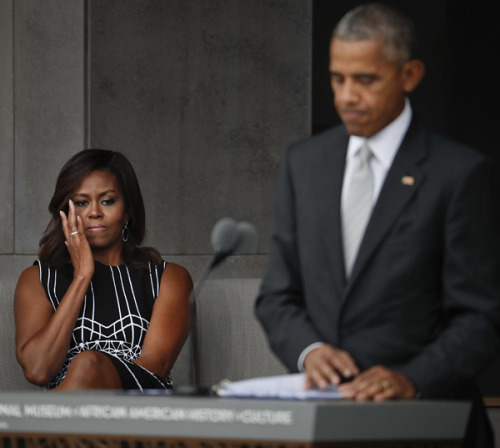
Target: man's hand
[328,365]
[379,384]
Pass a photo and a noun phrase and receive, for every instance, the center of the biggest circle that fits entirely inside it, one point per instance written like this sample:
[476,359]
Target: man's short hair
[376,21]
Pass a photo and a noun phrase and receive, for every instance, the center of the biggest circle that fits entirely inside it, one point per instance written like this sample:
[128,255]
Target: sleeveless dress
[114,318]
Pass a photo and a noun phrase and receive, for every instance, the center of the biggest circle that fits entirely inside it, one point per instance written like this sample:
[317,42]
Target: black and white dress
[114,318]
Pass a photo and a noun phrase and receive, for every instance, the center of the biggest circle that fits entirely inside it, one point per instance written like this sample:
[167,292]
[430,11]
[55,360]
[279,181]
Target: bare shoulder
[30,295]
[29,278]
[177,276]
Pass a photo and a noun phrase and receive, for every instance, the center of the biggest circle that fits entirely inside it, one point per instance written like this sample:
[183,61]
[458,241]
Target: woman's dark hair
[53,251]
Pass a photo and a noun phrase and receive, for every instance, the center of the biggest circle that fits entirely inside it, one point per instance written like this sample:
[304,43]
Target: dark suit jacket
[423,297]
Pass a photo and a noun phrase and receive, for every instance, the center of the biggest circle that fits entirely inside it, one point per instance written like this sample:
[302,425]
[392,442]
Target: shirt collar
[385,143]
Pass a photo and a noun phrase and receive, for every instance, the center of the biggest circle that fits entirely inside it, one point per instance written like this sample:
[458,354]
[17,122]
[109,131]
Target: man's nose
[347,92]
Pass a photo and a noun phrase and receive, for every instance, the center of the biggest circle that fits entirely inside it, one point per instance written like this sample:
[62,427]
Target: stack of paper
[280,386]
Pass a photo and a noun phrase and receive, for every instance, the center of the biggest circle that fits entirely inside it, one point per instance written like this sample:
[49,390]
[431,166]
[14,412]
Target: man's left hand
[378,384]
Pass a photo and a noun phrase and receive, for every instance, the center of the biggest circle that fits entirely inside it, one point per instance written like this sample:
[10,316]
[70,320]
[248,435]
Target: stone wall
[201,96]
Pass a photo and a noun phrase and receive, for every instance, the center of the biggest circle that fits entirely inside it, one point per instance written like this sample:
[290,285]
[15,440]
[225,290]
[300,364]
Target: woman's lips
[96,229]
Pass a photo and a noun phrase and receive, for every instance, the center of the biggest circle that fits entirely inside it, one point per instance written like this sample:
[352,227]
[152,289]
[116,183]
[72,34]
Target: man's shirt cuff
[305,352]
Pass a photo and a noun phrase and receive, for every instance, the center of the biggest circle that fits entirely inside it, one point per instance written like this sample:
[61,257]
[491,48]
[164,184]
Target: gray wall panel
[239,266]
[6,129]
[203,97]
[49,99]
[11,266]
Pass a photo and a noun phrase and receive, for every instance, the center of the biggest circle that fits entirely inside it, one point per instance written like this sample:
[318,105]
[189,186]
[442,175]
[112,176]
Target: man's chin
[357,130]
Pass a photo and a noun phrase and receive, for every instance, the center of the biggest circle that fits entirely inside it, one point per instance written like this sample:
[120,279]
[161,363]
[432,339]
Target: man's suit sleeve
[280,305]
[471,288]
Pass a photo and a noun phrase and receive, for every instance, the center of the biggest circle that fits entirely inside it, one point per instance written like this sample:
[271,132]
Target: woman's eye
[108,201]
[80,203]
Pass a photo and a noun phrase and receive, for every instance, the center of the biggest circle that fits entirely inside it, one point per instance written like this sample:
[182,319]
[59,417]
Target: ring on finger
[385,384]
[76,232]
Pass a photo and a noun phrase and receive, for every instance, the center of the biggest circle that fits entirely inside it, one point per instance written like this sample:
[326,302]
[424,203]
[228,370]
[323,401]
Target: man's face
[368,89]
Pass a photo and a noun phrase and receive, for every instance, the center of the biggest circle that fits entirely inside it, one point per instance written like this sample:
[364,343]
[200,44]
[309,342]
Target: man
[383,259]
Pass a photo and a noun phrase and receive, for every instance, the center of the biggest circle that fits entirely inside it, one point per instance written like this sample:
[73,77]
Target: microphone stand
[194,388]
[228,237]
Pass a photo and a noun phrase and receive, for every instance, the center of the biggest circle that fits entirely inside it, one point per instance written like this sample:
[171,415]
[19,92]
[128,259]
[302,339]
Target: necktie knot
[364,154]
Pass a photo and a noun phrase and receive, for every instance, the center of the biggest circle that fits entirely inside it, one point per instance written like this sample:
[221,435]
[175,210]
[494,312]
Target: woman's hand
[77,243]
[42,334]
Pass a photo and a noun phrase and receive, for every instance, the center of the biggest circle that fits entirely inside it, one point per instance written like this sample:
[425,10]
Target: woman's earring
[125,232]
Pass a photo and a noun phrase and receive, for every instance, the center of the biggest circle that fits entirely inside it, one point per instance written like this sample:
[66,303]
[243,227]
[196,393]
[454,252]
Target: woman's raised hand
[77,243]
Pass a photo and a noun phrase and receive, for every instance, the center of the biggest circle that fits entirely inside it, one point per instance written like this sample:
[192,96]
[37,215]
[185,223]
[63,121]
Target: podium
[118,419]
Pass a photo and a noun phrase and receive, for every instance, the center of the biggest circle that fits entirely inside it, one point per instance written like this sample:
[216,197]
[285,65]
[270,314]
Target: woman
[97,310]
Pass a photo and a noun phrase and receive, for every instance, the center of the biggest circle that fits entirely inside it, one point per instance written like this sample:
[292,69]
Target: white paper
[280,386]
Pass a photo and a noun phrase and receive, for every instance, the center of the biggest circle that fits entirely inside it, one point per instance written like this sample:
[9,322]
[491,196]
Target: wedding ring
[76,232]
[385,383]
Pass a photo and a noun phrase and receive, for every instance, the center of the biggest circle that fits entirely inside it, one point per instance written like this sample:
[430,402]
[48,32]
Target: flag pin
[408,180]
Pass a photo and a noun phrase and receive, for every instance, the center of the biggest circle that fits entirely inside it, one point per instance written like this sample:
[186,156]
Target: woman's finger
[64,223]
[79,225]
[80,231]
[72,217]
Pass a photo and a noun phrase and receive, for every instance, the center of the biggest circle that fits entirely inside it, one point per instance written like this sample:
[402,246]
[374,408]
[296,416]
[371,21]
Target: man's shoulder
[330,139]
[443,147]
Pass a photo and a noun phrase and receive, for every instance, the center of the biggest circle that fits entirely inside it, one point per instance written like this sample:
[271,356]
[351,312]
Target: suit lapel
[402,182]
[333,168]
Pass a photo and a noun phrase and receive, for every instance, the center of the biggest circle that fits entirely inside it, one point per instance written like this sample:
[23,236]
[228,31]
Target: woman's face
[100,204]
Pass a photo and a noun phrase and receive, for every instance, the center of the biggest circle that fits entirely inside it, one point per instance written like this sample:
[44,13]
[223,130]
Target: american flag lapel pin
[408,180]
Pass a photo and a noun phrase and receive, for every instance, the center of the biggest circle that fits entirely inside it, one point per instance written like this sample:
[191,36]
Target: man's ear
[412,73]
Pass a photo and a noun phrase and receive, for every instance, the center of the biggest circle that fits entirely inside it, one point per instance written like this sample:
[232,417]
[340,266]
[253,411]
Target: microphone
[224,239]
[248,237]
[228,238]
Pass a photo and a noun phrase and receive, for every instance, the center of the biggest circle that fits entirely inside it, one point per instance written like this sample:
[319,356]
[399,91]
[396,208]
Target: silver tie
[356,208]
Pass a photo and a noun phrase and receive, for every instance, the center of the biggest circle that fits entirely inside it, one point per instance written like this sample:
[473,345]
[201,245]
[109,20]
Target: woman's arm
[42,335]
[169,324]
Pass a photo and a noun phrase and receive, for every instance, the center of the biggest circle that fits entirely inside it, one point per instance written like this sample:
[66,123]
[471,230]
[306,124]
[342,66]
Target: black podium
[115,419]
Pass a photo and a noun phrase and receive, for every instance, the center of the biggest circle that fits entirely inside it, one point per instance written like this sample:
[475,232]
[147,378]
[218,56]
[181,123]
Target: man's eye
[366,80]
[337,79]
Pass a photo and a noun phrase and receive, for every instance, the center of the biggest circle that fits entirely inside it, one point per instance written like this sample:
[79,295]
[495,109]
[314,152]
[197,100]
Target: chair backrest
[232,344]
